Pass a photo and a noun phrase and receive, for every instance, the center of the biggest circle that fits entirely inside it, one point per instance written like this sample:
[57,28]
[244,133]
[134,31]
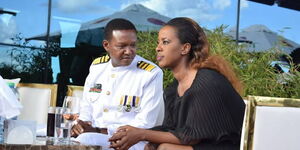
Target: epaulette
[101,60]
[145,66]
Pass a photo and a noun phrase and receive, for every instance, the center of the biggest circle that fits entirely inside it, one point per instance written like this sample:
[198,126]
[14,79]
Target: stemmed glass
[71,103]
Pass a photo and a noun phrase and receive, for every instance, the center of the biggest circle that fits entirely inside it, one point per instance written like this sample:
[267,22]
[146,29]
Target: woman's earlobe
[183,53]
[186,49]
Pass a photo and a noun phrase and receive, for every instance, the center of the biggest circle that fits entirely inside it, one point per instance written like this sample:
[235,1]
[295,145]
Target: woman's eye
[166,42]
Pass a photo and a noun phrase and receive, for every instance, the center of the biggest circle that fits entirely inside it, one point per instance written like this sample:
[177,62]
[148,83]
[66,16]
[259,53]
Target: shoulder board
[101,60]
[145,66]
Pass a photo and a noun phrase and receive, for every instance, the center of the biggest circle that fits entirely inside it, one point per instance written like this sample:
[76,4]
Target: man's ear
[186,49]
[105,44]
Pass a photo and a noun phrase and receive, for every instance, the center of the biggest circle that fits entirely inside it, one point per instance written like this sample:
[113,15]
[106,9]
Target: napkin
[91,138]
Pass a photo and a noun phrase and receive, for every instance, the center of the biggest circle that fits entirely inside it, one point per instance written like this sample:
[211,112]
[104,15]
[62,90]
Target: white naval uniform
[106,89]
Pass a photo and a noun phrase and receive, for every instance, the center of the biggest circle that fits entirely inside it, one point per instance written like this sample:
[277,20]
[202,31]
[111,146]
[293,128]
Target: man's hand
[71,116]
[125,137]
[81,127]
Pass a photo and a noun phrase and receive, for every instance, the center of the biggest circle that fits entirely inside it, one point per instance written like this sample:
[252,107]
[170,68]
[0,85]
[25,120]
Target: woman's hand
[125,137]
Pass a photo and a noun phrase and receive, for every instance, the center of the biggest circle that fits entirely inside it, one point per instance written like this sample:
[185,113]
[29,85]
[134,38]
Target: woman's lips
[159,58]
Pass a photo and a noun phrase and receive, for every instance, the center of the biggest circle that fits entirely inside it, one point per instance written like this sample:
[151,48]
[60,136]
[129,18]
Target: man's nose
[129,50]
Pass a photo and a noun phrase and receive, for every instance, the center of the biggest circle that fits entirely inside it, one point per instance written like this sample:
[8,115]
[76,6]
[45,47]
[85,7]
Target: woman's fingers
[117,136]
[118,143]
[124,138]
[123,128]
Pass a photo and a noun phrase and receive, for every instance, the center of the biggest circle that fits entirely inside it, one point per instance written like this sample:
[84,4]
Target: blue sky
[31,19]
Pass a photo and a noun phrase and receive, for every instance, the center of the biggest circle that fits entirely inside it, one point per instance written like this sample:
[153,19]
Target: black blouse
[210,111]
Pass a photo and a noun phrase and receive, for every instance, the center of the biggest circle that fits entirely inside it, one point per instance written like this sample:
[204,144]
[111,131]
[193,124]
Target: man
[122,88]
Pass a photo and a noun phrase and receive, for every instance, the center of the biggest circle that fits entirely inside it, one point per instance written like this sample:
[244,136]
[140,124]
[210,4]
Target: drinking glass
[51,122]
[62,125]
[73,103]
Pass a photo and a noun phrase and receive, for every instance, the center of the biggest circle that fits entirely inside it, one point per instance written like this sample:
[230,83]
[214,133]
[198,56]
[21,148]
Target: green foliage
[147,42]
[29,64]
[253,69]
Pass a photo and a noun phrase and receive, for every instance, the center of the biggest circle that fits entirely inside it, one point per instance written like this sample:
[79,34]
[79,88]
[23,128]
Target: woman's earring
[183,53]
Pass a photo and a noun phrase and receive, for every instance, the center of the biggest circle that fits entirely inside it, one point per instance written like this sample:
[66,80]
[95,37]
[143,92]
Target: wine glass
[73,103]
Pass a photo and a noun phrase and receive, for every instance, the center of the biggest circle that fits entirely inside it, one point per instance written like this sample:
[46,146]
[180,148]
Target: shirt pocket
[93,96]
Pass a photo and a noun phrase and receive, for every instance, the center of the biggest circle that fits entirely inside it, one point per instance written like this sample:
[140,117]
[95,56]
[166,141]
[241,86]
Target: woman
[203,109]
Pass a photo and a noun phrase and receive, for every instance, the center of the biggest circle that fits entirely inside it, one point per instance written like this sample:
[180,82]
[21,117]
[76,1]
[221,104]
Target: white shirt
[127,95]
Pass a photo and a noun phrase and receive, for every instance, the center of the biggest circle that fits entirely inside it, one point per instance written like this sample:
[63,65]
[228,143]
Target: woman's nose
[158,48]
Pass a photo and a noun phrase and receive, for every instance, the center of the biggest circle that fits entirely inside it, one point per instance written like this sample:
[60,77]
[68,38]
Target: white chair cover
[36,98]
[276,128]
[271,123]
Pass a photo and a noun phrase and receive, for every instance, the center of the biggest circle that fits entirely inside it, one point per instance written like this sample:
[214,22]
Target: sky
[31,18]
[32,14]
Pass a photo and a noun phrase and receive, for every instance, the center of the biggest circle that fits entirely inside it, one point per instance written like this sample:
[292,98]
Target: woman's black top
[210,111]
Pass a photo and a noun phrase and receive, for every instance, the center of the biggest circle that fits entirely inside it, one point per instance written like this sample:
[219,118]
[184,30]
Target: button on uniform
[107,93]
[105,110]
[113,75]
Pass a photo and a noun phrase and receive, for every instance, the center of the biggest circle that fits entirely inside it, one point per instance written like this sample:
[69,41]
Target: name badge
[97,88]
[94,92]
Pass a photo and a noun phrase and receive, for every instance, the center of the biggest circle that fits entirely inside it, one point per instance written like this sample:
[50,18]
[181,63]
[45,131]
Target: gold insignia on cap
[145,66]
[101,60]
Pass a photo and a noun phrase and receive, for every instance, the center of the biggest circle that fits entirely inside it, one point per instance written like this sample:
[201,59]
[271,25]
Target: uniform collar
[119,68]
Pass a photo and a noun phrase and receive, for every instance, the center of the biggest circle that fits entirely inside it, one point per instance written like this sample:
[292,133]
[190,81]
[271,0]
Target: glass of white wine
[71,103]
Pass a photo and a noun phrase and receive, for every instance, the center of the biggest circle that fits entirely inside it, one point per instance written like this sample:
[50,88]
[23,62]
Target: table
[42,143]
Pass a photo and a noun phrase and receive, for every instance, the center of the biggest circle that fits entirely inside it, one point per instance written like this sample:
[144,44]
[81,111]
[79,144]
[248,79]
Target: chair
[246,101]
[36,98]
[271,123]
[74,90]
